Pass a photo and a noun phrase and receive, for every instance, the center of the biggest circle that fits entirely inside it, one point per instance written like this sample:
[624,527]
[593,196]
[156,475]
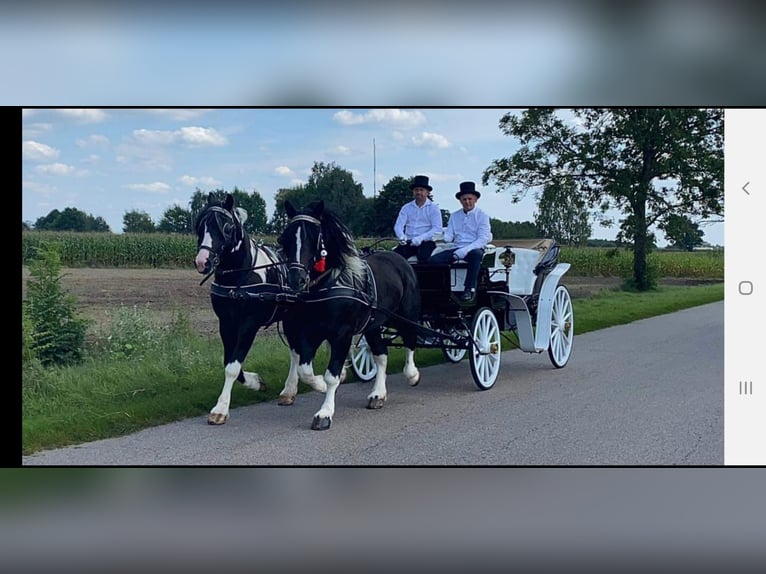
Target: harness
[333,288]
[366,294]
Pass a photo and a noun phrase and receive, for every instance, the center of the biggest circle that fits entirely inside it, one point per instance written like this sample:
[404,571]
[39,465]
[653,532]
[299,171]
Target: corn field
[171,251]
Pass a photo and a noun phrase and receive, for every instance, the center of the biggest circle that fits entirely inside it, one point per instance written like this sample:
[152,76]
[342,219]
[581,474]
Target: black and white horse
[339,295]
[247,279]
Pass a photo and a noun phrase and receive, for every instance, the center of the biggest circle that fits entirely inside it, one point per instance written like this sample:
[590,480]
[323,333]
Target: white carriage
[519,290]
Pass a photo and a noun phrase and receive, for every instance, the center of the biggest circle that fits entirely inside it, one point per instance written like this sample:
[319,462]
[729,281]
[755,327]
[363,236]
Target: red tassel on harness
[319,266]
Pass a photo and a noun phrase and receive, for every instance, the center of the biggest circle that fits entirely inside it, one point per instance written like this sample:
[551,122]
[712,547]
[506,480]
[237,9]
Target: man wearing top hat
[469,229]
[418,222]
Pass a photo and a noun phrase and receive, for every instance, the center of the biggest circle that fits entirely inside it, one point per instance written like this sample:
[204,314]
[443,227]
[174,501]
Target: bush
[51,331]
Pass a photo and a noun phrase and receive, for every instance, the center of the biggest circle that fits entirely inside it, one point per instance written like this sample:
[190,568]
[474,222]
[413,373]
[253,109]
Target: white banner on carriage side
[745,379]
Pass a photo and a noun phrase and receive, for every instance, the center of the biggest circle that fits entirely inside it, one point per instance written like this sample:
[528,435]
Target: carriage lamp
[507,258]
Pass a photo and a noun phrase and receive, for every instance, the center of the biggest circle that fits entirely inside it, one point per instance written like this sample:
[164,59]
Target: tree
[386,207]
[334,185]
[55,334]
[682,232]
[562,213]
[647,163]
[513,229]
[71,219]
[176,219]
[252,203]
[137,221]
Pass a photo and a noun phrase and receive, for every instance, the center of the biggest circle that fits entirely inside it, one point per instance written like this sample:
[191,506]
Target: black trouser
[473,258]
[423,251]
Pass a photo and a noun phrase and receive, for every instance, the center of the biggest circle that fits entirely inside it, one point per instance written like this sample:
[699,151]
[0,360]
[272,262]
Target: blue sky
[106,162]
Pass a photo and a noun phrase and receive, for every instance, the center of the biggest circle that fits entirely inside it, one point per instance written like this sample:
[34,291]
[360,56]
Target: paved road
[647,393]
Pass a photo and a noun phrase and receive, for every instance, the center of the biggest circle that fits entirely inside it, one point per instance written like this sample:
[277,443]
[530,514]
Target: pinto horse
[338,295]
[248,280]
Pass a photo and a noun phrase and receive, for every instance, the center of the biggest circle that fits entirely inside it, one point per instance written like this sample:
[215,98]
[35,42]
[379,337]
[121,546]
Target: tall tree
[648,163]
[252,203]
[334,185]
[682,232]
[341,194]
[176,219]
[137,221]
[562,213]
[387,204]
[71,219]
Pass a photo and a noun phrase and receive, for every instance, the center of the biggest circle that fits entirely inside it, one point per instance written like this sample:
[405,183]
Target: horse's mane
[343,257]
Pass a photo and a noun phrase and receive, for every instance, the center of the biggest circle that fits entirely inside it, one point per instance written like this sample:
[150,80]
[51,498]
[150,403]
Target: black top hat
[421,181]
[467,187]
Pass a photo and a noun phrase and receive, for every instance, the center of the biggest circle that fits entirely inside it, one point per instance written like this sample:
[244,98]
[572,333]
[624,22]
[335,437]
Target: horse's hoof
[415,383]
[285,401]
[321,423]
[216,419]
[375,403]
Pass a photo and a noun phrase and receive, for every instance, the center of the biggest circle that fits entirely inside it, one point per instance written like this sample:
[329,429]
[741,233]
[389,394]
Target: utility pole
[374,176]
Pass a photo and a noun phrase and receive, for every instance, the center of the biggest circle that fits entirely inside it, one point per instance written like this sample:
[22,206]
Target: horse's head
[314,242]
[302,244]
[219,231]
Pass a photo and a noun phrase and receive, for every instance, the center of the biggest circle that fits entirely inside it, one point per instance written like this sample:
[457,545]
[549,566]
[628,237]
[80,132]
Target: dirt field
[162,292]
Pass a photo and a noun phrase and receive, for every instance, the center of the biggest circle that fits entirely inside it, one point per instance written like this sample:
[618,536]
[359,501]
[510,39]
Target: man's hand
[459,254]
[416,242]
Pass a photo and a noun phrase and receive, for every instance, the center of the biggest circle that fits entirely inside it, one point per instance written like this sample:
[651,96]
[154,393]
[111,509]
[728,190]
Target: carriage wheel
[362,360]
[454,355]
[562,328]
[485,360]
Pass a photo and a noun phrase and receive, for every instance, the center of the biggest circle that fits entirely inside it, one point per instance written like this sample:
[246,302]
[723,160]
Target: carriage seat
[527,254]
[486,261]
[458,268]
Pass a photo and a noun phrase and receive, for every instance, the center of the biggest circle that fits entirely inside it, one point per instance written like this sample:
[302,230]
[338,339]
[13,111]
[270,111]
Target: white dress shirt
[468,230]
[418,224]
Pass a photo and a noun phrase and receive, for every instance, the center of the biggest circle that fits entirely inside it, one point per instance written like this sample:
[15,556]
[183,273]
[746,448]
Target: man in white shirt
[418,222]
[469,229]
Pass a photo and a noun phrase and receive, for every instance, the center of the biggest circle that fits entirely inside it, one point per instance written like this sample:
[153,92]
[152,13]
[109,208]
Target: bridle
[229,230]
[318,264]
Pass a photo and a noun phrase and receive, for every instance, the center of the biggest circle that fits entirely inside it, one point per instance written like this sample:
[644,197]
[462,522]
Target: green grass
[111,395]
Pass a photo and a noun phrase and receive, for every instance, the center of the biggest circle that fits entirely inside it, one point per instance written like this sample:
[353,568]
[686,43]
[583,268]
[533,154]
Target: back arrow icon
[744,188]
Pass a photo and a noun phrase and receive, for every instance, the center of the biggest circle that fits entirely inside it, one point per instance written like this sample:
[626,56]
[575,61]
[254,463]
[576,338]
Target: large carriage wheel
[562,328]
[362,360]
[451,354]
[485,360]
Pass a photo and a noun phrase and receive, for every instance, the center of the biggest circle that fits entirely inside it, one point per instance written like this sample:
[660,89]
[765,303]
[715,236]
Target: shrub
[51,330]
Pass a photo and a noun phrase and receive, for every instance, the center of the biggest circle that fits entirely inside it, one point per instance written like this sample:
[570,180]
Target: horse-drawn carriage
[319,287]
[518,291]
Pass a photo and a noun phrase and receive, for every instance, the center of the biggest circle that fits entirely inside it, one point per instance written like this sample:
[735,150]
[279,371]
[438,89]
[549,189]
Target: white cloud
[37,151]
[401,118]
[283,170]
[36,129]
[202,136]
[55,169]
[205,182]
[192,135]
[85,115]
[341,150]
[428,139]
[155,187]
[93,139]
[297,181]
[154,137]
